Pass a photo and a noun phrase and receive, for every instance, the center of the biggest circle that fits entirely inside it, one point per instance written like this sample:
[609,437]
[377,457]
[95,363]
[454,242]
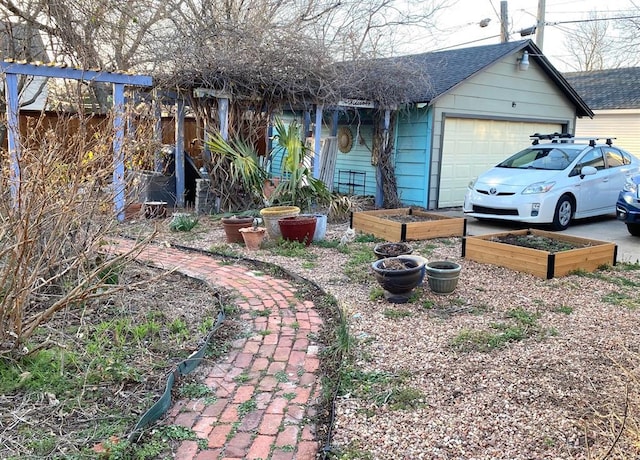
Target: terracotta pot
[271,215]
[398,276]
[298,228]
[253,237]
[233,224]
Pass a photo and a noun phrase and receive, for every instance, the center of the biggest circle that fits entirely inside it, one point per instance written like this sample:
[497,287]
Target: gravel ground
[509,366]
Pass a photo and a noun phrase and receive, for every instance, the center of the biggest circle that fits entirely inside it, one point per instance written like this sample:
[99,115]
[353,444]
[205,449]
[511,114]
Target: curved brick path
[280,368]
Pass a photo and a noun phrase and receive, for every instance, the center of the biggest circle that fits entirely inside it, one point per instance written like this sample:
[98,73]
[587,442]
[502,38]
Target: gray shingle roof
[608,89]
[447,69]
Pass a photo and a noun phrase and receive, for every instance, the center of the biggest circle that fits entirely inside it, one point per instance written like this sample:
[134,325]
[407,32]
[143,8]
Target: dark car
[628,205]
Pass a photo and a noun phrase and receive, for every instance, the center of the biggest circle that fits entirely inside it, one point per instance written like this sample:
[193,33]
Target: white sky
[459,24]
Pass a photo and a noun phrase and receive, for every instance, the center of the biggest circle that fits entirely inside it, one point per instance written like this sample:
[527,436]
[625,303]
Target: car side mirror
[587,171]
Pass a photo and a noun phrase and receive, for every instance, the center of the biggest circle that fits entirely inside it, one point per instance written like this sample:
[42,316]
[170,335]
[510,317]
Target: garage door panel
[471,146]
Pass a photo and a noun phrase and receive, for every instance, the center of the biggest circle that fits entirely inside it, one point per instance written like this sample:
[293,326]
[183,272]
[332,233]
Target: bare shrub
[54,222]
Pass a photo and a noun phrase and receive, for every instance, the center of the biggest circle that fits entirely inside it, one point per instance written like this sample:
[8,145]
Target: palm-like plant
[300,187]
[236,171]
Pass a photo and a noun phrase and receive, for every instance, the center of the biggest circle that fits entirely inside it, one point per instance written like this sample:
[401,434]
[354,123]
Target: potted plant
[442,276]
[384,250]
[232,226]
[253,236]
[298,228]
[398,276]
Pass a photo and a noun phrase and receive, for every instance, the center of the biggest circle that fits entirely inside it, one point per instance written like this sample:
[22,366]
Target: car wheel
[562,216]
[634,229]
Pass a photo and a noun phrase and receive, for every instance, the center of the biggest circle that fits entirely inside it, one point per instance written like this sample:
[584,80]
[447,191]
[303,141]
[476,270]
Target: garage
[470,146]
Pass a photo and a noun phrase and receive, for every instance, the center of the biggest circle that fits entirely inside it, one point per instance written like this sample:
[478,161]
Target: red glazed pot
[298,228]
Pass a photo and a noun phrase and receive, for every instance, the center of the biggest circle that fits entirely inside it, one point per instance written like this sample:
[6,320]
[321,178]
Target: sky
[458,26]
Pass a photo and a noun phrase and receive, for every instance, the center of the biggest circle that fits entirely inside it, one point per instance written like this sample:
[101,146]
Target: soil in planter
[538,242]
[393,249]
[407,218]
[394,264]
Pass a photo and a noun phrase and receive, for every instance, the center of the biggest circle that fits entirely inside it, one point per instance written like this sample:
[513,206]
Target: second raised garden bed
[558,256]
[403,224]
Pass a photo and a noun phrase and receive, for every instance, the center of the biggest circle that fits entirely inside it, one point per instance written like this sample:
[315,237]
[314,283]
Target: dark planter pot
[398,276]
[442,276]
[384,250]
[232,225]
[298,228]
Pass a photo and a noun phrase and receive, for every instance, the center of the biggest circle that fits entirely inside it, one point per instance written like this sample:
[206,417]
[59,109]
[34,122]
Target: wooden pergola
[12,70]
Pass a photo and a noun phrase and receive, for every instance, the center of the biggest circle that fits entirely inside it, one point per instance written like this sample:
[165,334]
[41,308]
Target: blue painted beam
[13,136]
[317,146]
[44,70]
[118,151]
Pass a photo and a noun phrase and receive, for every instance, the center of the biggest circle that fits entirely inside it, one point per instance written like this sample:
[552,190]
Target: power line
[591,20]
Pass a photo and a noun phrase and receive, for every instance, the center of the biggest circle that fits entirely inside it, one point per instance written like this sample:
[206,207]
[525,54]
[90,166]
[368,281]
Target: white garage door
[471,146]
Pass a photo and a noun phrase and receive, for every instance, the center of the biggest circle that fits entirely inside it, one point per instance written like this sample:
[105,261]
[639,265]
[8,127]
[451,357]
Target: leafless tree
[595,44]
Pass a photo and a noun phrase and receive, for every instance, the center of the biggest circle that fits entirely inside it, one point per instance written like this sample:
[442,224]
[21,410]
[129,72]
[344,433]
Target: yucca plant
[236,172]
[299,188]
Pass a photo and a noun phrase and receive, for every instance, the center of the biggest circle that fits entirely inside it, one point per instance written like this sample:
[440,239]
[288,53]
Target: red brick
[308,433]
[218,436]
[251,421]
[268,383]
[279,454]
[296,358]
[204,426]
[230,414]
[238,445]
[261,447]
[243,360]
[244,393]
[307,450]
[215,409]
[213,454]
[270,424]
[303,395]
[277,406]
[288,436]
[311,364]
[186,419]
[275,367]
[260,364]
[186,450]
[281,353]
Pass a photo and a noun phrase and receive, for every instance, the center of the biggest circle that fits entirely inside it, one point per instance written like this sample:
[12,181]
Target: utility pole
[541,20]
[504,22]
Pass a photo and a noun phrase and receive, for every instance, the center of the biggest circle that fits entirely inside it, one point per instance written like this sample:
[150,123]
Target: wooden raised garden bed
[503,249]
[404,224]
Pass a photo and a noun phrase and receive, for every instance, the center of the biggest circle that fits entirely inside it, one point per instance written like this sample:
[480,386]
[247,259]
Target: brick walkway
[267,413]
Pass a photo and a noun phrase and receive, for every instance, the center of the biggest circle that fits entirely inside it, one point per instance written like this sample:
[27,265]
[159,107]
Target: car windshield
[551,158]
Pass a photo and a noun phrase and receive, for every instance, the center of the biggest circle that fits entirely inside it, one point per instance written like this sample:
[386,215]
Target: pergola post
[119,184]
[179,156]
[13,135]
[317,142]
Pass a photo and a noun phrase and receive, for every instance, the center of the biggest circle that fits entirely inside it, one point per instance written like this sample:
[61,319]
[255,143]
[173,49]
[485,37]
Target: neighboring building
[23,43]
[480,106]
[614,97]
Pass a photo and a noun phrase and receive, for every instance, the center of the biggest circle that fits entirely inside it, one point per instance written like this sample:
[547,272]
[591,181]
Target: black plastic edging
[551,266]
[163,404]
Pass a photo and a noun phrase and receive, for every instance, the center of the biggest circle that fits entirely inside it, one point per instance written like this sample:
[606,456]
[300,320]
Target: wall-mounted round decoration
[345,139]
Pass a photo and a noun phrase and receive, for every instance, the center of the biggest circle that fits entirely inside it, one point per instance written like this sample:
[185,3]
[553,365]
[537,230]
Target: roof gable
[608,89]
[447,69]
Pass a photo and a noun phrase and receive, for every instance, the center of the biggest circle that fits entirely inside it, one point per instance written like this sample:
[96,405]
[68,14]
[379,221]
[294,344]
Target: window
[593,158]
[615,158]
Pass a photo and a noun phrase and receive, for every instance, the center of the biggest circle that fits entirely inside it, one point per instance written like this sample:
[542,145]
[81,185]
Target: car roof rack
[567,138]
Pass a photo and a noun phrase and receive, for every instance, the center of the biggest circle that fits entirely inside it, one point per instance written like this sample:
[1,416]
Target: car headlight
[538,187]
[472,182]
[630,186]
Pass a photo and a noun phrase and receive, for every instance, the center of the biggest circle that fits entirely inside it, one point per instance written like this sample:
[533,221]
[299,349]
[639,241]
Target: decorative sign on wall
[345,139]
